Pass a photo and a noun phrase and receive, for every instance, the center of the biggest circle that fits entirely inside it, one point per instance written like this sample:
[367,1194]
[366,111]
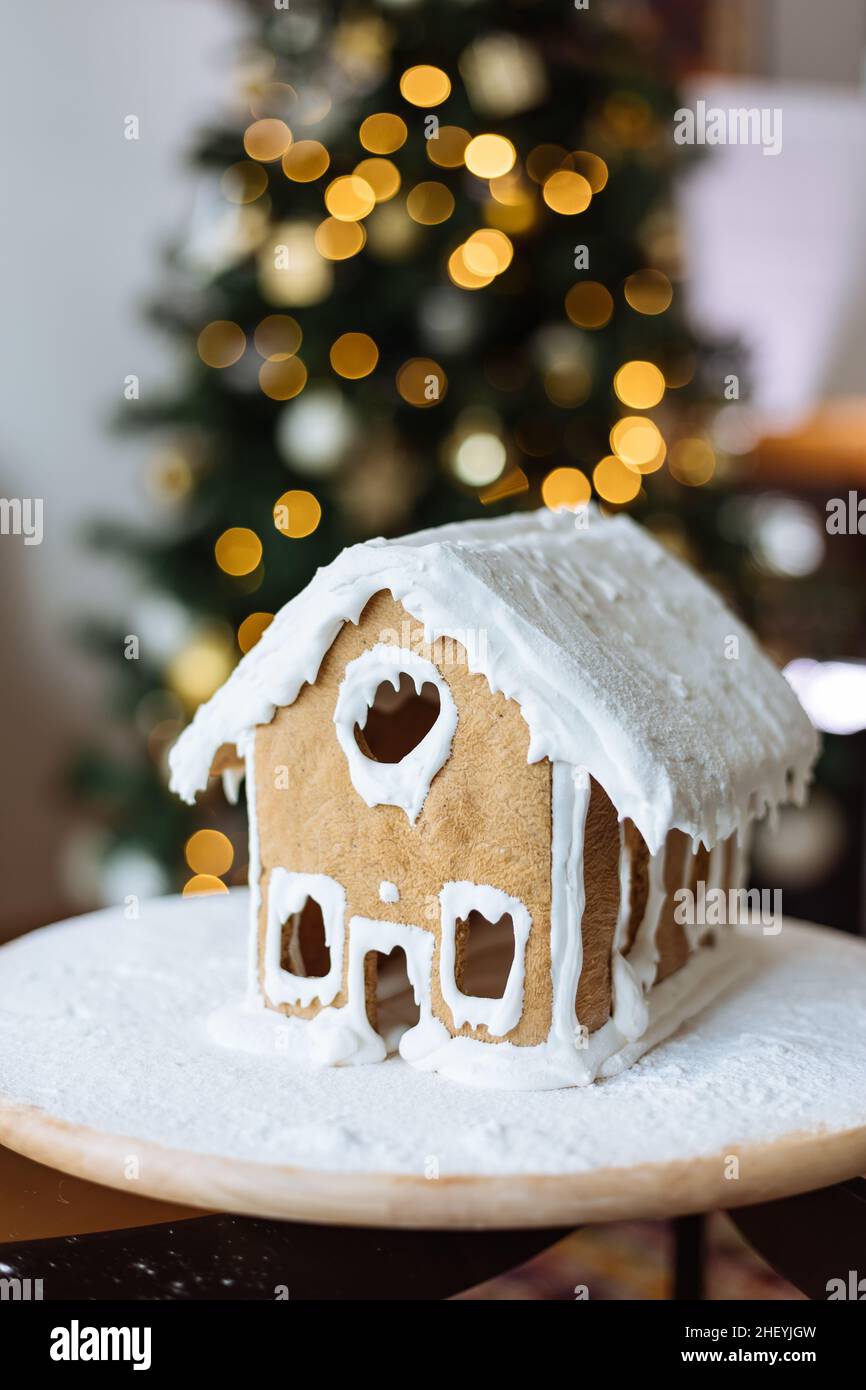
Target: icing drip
[287,895]
[629,1007]
[644,955]
[407,782]
[253,993]
[232,778]
[457,900]
[345,1036]
[570,793]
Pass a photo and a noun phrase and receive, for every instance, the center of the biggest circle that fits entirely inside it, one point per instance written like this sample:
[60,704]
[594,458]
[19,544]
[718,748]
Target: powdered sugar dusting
[103,1023]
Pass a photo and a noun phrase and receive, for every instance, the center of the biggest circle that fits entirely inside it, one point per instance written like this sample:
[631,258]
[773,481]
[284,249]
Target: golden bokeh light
[544,160]
[278,336]
[201,667]
[648,291]
[463,276]
[297,514]
[430,203]
[273,99]
[589,304]
[513,218]
[354,355]
[338,241]
[692,461]
[203,883]
[489,156]
[349,198]
[382,175]
[479,458]
[383,133]
[283,378]
[567,384]
[565,489]
[244,182]
[267,140]
[422,382]
[221,343]
[291,270]
[639,384]
[567,192]
[238,550]
[391,232]
[448,146]
[487,252]
[614,481]
[512,190]
[425,86]
[639,443]
[591,166]
[305,161]
[209,852]
[251,629]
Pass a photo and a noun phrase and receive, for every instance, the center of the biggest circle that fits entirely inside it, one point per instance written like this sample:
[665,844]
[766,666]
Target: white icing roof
[614,650]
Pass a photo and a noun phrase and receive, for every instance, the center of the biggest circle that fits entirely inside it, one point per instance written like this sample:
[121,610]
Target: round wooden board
[113,1121]
[799,1163]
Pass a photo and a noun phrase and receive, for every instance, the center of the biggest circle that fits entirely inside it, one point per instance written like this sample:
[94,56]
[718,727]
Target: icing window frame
[456,901]
[406,783]
[287,895]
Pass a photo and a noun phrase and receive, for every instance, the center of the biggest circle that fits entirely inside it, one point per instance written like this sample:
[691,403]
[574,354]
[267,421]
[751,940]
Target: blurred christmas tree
[432,270]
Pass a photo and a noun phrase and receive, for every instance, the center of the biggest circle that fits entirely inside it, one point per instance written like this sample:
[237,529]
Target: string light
[692,461]
[589,304]
[430,203]
[463,276]
[479,458]
[251,629]
[614,481]
[305,161]
[349,198]
[282,379]
[448,146]
[201,667]
[567,192]
[277,337]
[565,489]
[422,382]
[382,176]
[244,182]
[354,355]
[489,156]
[203,883]
[639,443]
[221,343]
[238,550]
[487,252]
[291,271]
[297,514]
[648,291]
[383,133]
[267,140]
[591,166]
[209,852]
[425,86]
[639,384]
[338,241]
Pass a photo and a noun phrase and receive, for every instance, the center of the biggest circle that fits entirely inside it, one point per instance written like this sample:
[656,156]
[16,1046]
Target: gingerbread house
[495,751]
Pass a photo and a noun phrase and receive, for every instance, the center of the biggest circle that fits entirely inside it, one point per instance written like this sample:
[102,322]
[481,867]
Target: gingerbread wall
[486,819]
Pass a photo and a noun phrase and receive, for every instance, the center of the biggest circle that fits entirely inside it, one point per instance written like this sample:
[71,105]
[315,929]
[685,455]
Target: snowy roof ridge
[623,661]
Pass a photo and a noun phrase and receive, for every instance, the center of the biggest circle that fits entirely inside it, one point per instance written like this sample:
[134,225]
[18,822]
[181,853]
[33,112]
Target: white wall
[83,213]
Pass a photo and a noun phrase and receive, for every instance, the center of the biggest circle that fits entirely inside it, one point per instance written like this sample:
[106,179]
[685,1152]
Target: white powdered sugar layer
[622,660]
[103,1023]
